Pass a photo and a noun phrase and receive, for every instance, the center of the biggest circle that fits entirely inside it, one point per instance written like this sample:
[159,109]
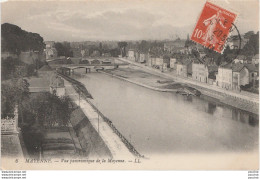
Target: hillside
[14,39]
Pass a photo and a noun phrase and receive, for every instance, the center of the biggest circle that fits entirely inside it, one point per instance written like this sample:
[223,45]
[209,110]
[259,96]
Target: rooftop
[38,85]
[241,57]
[185,61]
[45,68]
[237,67]
[57,81]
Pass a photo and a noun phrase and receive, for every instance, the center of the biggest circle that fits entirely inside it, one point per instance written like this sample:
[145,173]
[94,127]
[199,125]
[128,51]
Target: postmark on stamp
[213,27]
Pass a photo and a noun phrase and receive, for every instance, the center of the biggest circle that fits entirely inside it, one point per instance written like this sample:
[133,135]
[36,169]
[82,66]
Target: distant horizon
[118,21]
[114,40]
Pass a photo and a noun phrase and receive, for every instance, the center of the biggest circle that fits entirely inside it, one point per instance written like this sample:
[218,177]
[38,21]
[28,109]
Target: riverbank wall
[220,97]
[90,141]
[229,98]
[123,139]
[90,134]
[79,87]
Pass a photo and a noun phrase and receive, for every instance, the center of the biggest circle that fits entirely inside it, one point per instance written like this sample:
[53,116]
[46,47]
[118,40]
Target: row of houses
[229,76]
[136,56]
[150,60]
[233,76]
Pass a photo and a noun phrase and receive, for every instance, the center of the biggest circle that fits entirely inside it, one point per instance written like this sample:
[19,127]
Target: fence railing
[124,140]
[80,88]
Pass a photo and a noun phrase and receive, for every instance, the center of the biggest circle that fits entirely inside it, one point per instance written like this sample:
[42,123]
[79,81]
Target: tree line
[16,40]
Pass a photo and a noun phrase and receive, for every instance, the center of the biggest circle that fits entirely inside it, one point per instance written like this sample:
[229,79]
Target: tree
[33,138]
[114,52]
[13,92]
[30,69]
[47,110]
[249,34]
[43,110]
[227,56]
[93,48]
[100,47]
[15,40]
[63,49]
[144,46]
[252,47]
[122,46]
[14,68]
[8,67]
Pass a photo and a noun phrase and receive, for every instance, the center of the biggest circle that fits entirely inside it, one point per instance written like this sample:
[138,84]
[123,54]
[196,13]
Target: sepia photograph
[130,85]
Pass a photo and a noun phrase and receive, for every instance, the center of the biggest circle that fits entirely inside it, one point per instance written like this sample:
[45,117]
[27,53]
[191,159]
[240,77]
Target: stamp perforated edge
[229,34]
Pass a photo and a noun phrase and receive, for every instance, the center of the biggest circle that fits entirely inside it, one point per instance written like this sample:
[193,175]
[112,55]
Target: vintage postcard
[132,85]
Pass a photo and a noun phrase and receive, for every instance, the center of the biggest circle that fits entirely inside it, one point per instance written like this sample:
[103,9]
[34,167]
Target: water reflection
[211,108]
[189,98]
[245,117]
[253,120]
[236,114]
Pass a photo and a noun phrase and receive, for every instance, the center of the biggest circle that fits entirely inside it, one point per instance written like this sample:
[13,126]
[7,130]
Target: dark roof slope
[45,68]
[238,67]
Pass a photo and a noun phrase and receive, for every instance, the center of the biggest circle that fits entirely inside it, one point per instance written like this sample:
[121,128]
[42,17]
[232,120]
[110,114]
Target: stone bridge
[68,69]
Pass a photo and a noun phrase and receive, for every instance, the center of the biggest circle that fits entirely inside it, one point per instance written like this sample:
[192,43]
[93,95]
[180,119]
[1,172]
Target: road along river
[164,123]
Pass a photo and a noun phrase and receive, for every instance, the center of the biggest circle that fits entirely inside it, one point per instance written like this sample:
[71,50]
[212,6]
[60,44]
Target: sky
[119,20]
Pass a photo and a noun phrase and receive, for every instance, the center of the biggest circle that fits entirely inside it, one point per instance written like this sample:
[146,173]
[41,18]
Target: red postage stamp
[213,27]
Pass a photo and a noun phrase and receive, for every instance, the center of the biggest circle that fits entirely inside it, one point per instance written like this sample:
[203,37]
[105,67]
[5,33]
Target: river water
[163,123]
